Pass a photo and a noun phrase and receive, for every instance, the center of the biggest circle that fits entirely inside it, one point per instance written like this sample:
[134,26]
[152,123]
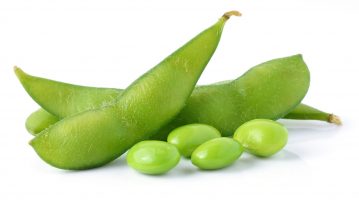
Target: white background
[110,43]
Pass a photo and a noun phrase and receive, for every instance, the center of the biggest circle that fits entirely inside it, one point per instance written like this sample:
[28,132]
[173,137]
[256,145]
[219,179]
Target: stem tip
[229,14]
[334,119]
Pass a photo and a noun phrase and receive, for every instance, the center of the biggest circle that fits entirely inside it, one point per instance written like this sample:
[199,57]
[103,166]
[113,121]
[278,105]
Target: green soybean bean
[153,157]
[187,138]
[262,137]
[216,153]
[269,90]
[40,120]
[95,137]
[305,112]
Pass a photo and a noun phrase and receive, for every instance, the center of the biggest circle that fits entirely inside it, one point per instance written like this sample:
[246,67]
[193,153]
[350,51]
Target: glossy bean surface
[153,157]
[187,138]
[216,153]
[262,137]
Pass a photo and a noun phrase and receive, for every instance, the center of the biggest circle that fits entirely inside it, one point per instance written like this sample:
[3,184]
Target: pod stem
[334,119]
[229,14]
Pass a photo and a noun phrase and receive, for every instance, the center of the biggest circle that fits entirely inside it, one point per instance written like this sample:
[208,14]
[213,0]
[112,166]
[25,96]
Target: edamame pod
[95,137]
[305,112]
[269,91]
[40,120]
[227,105]
[63,99]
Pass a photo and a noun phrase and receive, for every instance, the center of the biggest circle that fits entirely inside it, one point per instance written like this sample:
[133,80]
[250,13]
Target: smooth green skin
[269,90]
[216,153]
[153,157]
[64,99]
[262,137]
[187,138]
[40,120]
[98,136]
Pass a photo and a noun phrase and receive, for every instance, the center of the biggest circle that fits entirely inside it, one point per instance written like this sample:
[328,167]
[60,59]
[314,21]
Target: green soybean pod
[64,99]
[269,90]
[216,153]
[153,157]
[39,120]
[305,112]
[262,137]
[187,138]
[96,137]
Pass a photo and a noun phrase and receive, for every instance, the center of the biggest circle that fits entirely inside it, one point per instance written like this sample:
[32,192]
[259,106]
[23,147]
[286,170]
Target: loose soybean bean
[187,138]
[153,157]
[216,153]
[262,137]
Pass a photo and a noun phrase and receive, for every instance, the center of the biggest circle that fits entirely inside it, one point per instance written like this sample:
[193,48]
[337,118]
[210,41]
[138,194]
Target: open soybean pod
[96,137]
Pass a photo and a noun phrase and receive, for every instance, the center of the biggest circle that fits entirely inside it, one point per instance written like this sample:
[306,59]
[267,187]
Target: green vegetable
[98,136]
[216,153]
[187,138]
[305,112]
[269,90]
[40,120]
[224,106]
[63,99]
[153,157]
[262,137]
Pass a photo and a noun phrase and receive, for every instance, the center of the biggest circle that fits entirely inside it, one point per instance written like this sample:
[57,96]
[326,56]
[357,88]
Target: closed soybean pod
[95,137]
[64,99]
[210,93]
[268,91]
[41,119]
